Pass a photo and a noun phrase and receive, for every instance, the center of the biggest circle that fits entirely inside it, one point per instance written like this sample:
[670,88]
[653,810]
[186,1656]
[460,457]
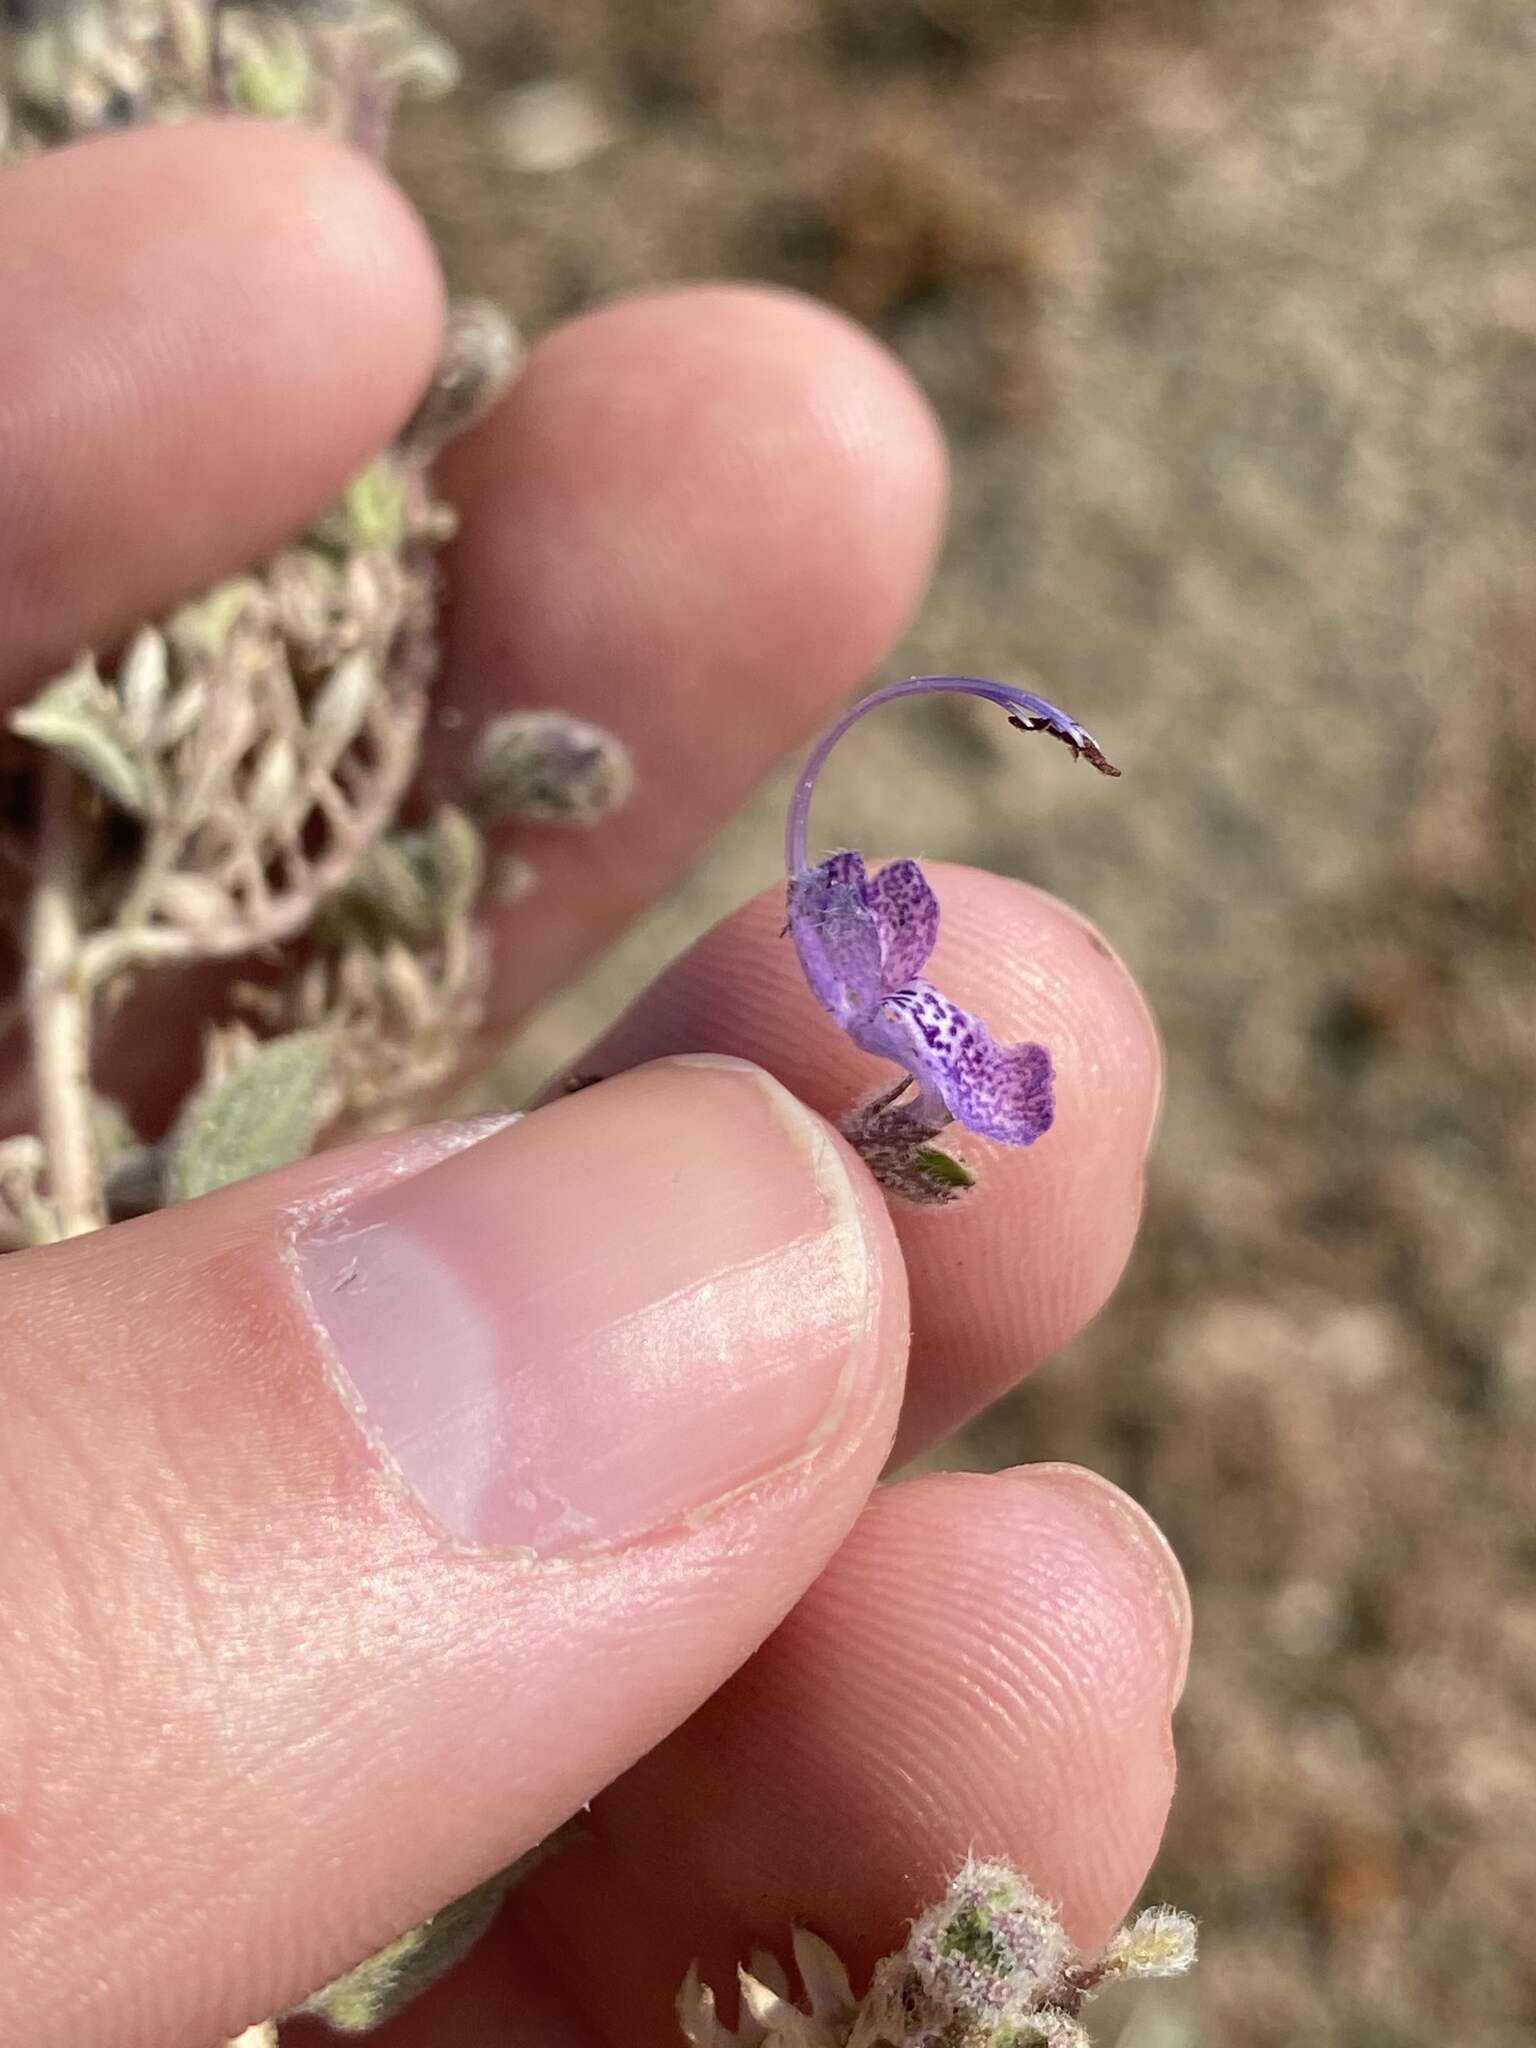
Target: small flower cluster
[990,1966]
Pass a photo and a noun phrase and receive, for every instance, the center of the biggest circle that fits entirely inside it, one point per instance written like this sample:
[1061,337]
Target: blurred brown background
[1231,313]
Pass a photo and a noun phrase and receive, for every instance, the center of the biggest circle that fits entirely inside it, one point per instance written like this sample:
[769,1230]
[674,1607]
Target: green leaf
[273,76]
[389,887]
[458,859]
[372,511]
[942,1167]
[268,1111]
[201,628]
[80,718]
[376,1989]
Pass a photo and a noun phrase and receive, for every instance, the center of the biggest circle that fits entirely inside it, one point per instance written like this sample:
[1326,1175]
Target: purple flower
[863,940]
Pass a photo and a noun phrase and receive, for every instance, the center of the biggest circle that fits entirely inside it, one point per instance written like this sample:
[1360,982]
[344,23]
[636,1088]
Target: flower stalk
[1026,711]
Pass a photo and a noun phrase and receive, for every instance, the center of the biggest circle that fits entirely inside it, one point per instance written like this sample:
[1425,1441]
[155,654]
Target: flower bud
[546,768]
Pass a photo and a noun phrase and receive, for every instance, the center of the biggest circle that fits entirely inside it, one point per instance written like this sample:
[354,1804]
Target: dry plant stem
[59,994]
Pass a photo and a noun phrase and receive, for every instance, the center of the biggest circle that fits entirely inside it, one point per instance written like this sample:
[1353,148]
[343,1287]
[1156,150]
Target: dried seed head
[201,632]
[371,512]
[390,889]
[268,68]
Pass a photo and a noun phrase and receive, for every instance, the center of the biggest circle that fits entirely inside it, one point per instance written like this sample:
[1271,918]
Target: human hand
[269,1694]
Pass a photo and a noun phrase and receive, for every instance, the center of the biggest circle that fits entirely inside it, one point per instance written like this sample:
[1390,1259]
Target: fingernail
[1136,1532]
[606,1318]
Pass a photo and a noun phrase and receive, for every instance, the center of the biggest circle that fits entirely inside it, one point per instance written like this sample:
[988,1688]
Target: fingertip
[1049,1602]
[719,503]
[1056,943]
[1044,1237]
[1127,1531]
[222,320]
[873,449]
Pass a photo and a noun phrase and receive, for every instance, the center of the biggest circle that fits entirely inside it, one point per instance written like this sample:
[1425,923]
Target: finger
[332,1505]
[988,1666]
[1003,1279]
[698,519]
[207,328]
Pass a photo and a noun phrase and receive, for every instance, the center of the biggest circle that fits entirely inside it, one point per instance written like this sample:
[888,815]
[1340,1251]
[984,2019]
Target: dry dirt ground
[1231,312]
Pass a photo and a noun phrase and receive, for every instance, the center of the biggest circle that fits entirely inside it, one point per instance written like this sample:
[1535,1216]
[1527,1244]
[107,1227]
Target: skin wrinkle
[91,1638]
[1081,1608]
[1115,1511]
[979,1671]
[972,1707]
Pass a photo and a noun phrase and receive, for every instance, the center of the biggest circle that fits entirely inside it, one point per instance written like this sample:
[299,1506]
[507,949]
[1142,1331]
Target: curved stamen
[1025,710]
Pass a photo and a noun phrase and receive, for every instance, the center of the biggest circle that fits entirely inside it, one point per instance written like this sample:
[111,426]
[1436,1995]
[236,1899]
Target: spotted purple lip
[863,940]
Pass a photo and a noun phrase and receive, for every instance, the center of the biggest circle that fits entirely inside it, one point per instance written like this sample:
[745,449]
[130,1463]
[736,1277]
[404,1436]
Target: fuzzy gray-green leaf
[80,718]
[364,1997]
[268,1111]
[943,1168]
[371,512]
[458,860]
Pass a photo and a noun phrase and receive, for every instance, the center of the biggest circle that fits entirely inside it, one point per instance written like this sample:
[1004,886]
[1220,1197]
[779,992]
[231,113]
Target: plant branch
[58,999]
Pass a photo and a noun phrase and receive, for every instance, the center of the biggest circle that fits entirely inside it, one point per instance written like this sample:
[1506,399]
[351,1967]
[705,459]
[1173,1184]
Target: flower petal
[1005,1092]
[999,1091]
[907,914]
[838,940]
[846,870]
